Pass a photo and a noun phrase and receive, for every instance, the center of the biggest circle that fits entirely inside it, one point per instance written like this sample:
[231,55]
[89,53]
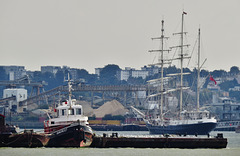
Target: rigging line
[194,81]
[205,97]
[203,55]
[205,79]
[173,56]
[192,53]
[179,23]
[154,59]
[205,82]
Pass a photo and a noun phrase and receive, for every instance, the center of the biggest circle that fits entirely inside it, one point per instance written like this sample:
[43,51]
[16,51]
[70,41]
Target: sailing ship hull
[75,135]
[184,129]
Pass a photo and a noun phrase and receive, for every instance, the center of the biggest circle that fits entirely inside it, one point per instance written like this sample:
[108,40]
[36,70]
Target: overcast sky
[88,34]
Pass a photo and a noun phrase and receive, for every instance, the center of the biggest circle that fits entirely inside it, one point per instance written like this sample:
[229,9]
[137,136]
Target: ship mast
[198,72]
[199,68]
[161,103]
[161,62]
[181,58]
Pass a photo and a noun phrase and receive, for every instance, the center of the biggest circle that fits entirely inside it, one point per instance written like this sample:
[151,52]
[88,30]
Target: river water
[233,149]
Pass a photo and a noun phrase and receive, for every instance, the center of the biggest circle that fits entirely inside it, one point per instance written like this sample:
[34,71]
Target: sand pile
[111,107]
[87,109]
[32,106]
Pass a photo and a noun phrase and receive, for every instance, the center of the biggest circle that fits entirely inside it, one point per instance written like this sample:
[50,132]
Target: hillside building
[50,69]
[14,72]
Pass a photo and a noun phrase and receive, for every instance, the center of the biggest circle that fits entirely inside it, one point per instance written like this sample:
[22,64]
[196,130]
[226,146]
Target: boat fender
[166,135]
[104,135]
[219,136]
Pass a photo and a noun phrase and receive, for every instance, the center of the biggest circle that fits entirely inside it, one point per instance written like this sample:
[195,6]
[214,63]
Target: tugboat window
[78,112]
[62,112]
[71,111]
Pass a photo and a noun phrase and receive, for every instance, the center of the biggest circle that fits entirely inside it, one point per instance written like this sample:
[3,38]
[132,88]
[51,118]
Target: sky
[89,34]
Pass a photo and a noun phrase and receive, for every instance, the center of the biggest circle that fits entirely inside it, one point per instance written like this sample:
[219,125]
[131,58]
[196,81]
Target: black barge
[159,142]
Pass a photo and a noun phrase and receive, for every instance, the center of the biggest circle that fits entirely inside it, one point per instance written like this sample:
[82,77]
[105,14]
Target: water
[233,149]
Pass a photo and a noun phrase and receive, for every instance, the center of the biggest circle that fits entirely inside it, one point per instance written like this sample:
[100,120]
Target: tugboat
[70,127]
[5,131]
[195,122]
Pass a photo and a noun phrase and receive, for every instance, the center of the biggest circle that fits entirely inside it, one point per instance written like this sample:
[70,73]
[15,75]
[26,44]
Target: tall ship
[186,122]
[70,128]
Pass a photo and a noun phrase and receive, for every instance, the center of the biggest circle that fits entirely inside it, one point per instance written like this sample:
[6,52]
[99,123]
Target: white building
[131,72]
[97,71]
[236,88]
[123,75]
[151,70]
[19,93]
[139,73]
[73,72]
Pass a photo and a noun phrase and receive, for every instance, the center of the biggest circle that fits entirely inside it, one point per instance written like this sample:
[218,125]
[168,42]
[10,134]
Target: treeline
[108,77]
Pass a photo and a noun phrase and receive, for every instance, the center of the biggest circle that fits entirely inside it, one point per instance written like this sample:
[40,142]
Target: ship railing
[228,124]
[152,136]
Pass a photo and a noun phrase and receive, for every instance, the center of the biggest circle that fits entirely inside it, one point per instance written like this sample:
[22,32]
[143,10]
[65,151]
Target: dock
[166,141]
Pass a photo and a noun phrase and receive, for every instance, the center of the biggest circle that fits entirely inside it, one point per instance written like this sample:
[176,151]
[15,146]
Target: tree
[89,78]
[234,70]
[108,74]
[218,73]
[228,84]
[59,77]
[37,76]
[115,117]
[204,73]
[172,69]
[3,75]
[82,74]
[235,94]
[135,81]
[50,79]
[47,77]
[186,70]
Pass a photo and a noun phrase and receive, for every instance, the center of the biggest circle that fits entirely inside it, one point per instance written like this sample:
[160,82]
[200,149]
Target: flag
[212,79]
[184,13]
